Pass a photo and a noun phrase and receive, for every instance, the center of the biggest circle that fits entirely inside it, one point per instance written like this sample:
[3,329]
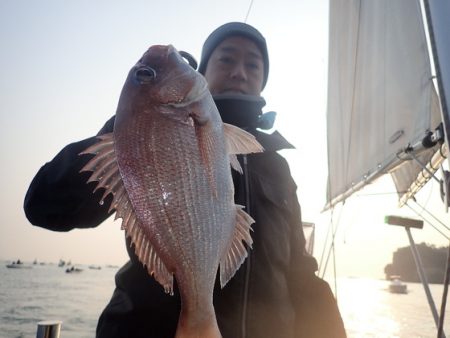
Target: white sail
[381,96]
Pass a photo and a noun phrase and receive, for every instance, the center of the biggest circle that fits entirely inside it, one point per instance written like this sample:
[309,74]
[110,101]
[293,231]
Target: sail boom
[425,175]
[381,170]
[393,165]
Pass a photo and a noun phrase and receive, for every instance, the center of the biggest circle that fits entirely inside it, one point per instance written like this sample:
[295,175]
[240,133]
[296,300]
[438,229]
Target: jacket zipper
[248,264]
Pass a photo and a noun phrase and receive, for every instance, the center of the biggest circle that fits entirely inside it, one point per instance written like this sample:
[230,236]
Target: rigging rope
[333,237]
[418,214]
[326,240]
[325,243]
[434,217]
[248,11]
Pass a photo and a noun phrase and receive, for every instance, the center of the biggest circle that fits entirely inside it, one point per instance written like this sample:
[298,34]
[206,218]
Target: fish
[168,164]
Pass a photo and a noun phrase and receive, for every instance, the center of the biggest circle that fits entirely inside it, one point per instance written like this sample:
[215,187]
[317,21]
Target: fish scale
[175,222]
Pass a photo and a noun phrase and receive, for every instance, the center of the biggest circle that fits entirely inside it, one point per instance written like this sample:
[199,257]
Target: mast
[437,13]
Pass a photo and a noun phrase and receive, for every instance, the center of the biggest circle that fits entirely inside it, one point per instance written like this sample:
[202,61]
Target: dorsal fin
[237,250]
[239,141]
[106,172]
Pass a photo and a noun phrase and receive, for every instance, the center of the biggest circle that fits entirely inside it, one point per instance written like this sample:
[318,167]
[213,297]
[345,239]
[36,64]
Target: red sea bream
[168,165]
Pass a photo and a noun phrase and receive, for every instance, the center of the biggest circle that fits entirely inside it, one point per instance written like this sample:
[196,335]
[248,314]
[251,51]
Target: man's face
[236,66]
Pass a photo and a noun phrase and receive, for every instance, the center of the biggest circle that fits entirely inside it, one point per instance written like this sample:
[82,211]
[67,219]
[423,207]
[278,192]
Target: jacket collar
[272,142]
[245,111]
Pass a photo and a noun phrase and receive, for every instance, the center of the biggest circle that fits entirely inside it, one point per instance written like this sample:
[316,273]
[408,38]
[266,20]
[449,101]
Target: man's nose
[238,72]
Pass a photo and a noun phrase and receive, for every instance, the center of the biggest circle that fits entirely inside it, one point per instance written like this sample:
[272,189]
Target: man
[275,293]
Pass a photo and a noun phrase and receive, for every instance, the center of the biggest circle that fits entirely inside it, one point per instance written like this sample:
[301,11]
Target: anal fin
[237,251]
[147,254]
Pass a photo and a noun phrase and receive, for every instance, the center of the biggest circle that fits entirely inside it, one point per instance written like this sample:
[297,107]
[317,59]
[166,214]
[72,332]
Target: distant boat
[61,263]
[95,267]
[73,269]
[397,286]
[18,265]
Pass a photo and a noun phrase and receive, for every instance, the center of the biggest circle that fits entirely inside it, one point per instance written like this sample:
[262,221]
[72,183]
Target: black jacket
[275,293]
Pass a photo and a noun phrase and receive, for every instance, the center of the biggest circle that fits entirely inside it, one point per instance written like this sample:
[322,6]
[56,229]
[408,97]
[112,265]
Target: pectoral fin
[237,251]
[239,142]
[106,171]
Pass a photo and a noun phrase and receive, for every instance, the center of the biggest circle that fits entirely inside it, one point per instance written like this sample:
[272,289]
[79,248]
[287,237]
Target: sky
[62,67]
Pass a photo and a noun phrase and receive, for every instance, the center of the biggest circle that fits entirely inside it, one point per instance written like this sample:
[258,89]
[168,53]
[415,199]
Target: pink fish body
[167,163]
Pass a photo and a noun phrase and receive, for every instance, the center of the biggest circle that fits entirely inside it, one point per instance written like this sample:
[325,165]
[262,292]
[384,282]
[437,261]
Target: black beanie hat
[234,29]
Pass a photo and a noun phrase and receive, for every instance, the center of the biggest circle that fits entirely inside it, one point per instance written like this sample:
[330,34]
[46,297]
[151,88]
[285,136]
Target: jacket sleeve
[317,313]
[59,198]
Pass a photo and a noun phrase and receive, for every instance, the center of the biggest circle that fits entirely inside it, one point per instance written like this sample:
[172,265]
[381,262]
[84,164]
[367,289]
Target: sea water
[370,310]
[47,292]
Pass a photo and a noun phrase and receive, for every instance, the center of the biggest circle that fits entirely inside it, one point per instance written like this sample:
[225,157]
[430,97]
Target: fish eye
[145,74]
[189,59]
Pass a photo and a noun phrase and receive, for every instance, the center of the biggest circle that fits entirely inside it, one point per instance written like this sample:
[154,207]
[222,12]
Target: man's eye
[226,60]
[252,65]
